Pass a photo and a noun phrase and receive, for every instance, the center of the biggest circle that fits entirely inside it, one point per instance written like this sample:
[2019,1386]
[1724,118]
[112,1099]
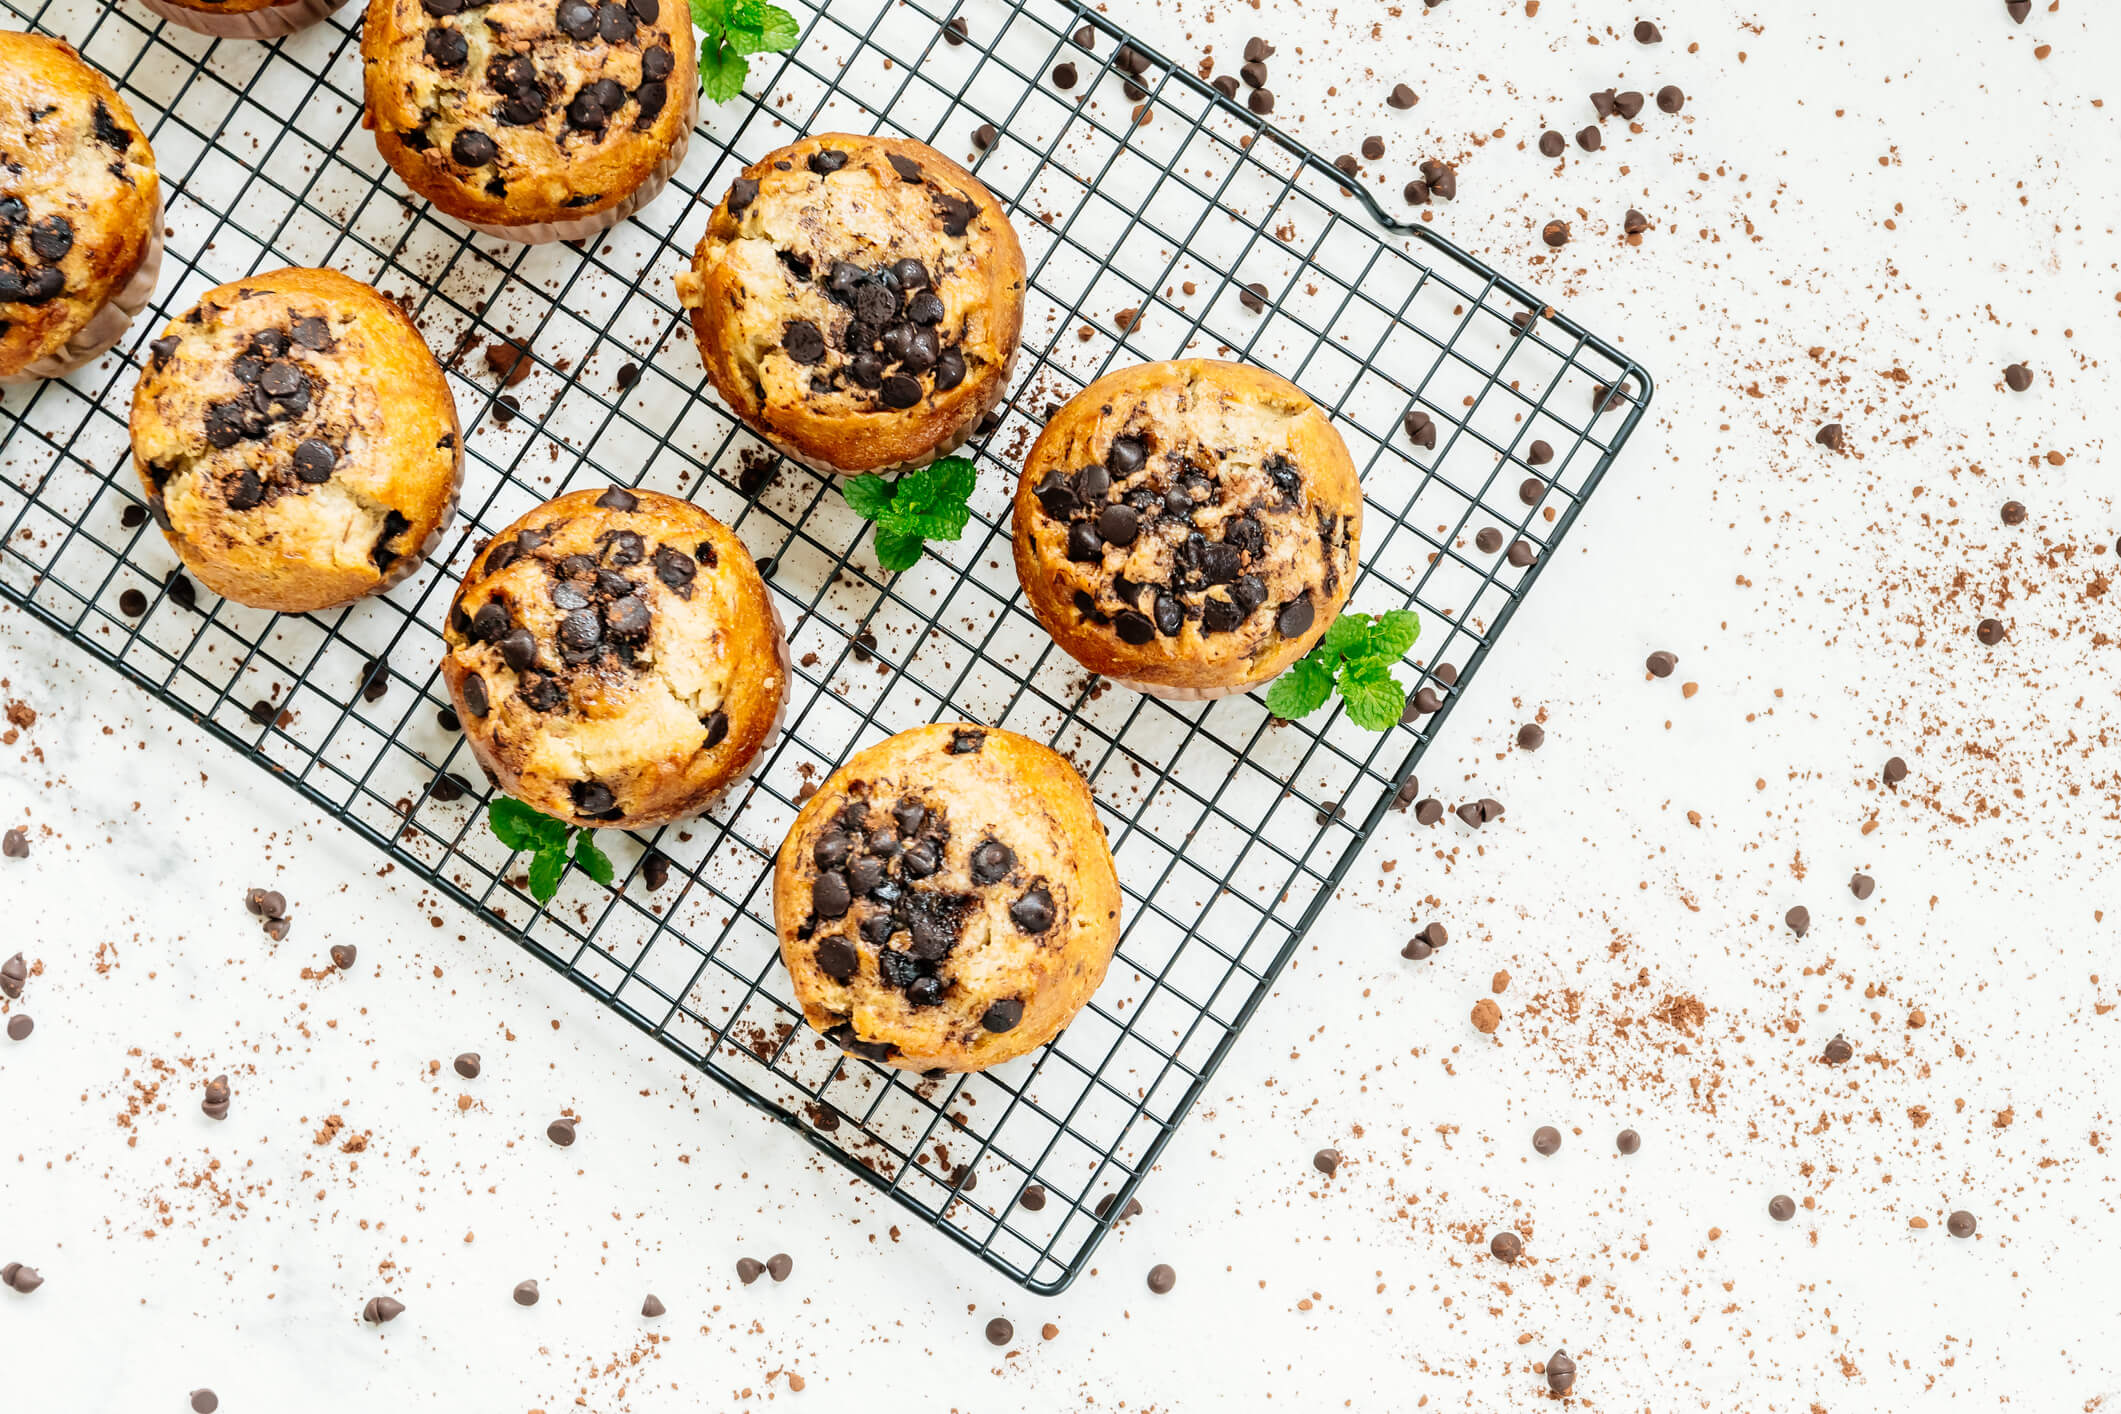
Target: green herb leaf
[896,550]
[756,28]
[1302,690]
[1355,656]
[591,860]
[545,870]
[709,16]
[722,70]
[1374,699]
[512,822]
[928,504]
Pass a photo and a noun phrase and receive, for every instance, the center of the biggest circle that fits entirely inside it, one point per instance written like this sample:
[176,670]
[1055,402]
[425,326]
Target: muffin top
[1190,525]
[298,443]
[857,299]
[947,899]
[525,111]
[614,658]
[78,196]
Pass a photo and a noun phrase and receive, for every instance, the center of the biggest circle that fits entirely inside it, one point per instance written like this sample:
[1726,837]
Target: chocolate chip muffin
[1188,529]
[244,19]
[615,659]
[297,440]
[946,901]
[531,120]
[857,301]
[80,211]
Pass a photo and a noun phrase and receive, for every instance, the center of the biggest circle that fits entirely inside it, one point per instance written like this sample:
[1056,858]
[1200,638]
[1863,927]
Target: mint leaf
[1346,636]
[545,870]
[756,28]
[1302,690]
[591,860]
[513,823]
[936,493]
[1374,700]
[869,495]
[723,70]
[1392,633]
[896,550]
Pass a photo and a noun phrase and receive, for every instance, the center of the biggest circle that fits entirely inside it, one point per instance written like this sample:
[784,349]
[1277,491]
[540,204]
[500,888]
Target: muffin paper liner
[582,228]
[272,22]
[1180,694]
[108,324]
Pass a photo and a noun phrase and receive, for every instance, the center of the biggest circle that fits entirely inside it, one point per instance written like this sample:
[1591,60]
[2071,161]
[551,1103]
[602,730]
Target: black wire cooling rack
[1150,209]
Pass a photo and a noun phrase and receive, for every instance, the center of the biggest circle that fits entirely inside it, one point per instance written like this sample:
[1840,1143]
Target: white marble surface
[1902,186]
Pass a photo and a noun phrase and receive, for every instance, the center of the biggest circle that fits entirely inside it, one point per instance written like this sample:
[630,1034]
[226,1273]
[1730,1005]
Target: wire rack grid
[1158,219]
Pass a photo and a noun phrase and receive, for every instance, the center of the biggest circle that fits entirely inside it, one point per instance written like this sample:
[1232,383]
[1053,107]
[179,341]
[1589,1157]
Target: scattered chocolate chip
[2014,513]
[1561,1372]
[1373,148]
[1960,1224]
[14,975]
[1989,631]
[1628,104]
[1506,1246]
[1253,297]
[1064,75]
[1546,1140]
[955,32]
[1416,193]
[19,1026]
[343,955]
[1555,234]
[1781,1208]
[652,1307]
[1420,429]
[1260,101]
[1895,771]
[749,1270]
[561,1131]
[382,1309]
[1647,33]
[779,1265]
[2018,377]
[1660,664]
[1162,1279]
[999,1331]
[15,843]
[983,136]
[1628,1141]
[1417,949]
[467,1065]
[1520,554]
[2018,9]
[1798,920]
[526,1293]
[1671,98]
[1552,143]
[1838,1051]
[1402,97]
[1326,1161]
[1862,886]
[1531,736]
[1829,437]
[204,1401]
[1590,139]
[216,1098]
[20,1278]
[1442,179]
[1226,85]
[1428,811]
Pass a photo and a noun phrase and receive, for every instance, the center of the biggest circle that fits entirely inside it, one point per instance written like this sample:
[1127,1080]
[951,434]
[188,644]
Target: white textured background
[1865,211]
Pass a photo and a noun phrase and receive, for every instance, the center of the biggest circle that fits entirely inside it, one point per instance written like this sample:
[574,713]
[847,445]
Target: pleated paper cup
[108,324]
[272,22]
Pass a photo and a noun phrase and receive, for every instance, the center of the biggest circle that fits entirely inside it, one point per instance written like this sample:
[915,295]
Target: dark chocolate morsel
[475,694]
[837,959]
[1033,912]
[471,148]
[1003,1015]
[591,797]
[1295,618]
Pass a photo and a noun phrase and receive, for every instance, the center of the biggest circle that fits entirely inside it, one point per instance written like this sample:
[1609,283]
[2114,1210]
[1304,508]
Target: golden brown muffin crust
[858,301]
[1191,525]
[297,441]
[615,659]
[526,111]
[947,901]
[78,196]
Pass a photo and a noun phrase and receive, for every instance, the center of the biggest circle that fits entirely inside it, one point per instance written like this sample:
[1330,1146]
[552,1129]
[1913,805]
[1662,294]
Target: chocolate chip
[1590,139]
[837,959]
[983,136]
[991,862]
[314,461]
[1506,1246]
[1628,1141]
[1781,1208]
[749,1270]
[472,148]
[448,49]
[1895,771]
[826,160]
[614,24]
[901,391]
[1798,920]
[1829,437]
[1531,736]
[907,169]
[247,492]
[19,1026]
[204,1401]
[343,955]
[717,725]
[655,869]
[52,238]
[1295,618]
[1420,429]
[14,973]
[955,32]
[467,1065]
[591,797]
[2014,513]
[1660,664]
[657,64]
[779,1265]
[1402,97]
[830,895]
[1555,234]
[2018,9]
[999,1331]
[1546,1140]
[1862,886]
[1133,627]
[214,1100]
[1561,1372]
[526,1293]
[1260,101]
[1118,524]
[1033,912]
[1003,1016]
[1647,33]
[1671,98]
[1552,143]
[1960,1224]
[1990,632]
[1064,75]
[652,1307]
[381,1310]
[742,192]
[1837,1051]
[474,689]
[561,1131]
[1326,1161]
[1428,811]
[1628,104]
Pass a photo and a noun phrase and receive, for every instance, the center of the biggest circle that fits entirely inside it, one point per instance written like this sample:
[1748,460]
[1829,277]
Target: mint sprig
[924,505]
[1355,657]
[730,32]
[547,842]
